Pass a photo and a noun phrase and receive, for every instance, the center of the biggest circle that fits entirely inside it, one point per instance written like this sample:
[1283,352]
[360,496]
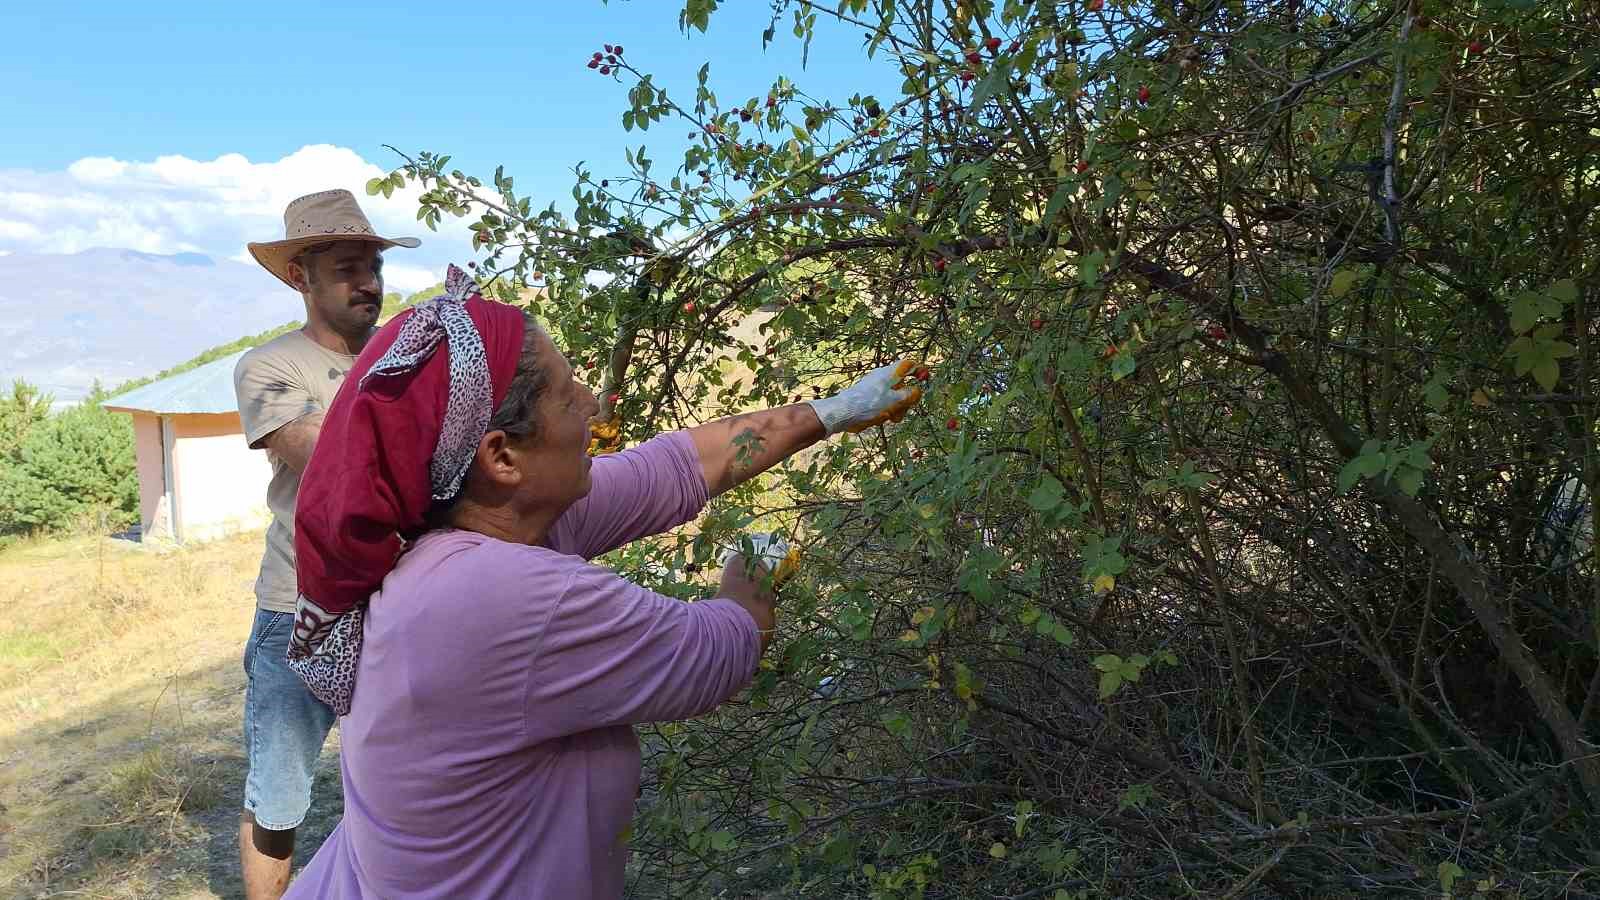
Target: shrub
[72,468]
[1262,333]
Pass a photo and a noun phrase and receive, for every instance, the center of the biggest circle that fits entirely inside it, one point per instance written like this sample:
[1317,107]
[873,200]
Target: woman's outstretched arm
[736,449]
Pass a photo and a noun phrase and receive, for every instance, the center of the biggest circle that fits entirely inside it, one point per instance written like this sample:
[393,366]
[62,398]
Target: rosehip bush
[1264,570]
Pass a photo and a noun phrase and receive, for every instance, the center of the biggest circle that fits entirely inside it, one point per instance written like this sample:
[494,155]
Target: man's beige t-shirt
[288,377]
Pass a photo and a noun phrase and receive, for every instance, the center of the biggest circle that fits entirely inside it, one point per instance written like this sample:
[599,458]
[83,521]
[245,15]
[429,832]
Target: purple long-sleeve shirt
[489,750]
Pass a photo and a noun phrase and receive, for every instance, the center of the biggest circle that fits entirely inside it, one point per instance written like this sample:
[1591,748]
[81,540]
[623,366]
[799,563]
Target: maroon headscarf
[401,433]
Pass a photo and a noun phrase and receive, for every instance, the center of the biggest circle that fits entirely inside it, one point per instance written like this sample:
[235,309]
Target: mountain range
[111,315]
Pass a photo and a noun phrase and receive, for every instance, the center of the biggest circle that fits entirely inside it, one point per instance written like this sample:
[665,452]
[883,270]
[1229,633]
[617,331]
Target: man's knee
[276,844]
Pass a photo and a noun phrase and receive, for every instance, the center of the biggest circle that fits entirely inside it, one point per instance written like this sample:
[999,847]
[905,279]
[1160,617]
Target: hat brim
[274,256]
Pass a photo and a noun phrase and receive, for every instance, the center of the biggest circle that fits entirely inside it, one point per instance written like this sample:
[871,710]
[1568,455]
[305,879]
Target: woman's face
[559,462]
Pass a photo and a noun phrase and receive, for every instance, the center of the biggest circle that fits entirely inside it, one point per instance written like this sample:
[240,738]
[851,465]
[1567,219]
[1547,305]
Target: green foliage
[74,468]
[1185,275]
[19,414]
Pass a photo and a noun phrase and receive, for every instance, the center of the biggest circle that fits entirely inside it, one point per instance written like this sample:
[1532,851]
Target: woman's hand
[882,395]
[753,582]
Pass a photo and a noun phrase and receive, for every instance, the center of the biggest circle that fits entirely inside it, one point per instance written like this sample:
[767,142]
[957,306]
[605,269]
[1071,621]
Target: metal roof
[203,389]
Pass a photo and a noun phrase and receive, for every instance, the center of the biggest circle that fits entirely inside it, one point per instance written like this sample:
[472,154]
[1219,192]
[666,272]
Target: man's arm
[294,442]
[736,449]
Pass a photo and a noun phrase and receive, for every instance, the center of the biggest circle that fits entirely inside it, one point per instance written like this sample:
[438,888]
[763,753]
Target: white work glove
[773,554]
[877,398]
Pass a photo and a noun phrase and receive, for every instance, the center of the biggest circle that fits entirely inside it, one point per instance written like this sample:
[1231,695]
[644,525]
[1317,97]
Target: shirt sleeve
[613,653]
[270,395]
[635,493]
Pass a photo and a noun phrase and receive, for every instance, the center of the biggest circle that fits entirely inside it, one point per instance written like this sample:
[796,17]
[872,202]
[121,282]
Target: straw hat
[318,219]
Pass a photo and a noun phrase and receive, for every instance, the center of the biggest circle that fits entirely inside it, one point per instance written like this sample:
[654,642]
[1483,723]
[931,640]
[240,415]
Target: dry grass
[121,692]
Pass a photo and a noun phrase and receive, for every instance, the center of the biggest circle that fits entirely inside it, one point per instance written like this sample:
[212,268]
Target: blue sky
[149,103]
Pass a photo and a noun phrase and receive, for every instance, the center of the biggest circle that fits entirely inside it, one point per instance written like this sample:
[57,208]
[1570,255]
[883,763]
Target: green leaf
[1135,797]
[1062,194]
[374,185]
[1449,873]
[989,85]
[1436,392]
[1349,475]
[896,721]
[1528,307]
[1047,494]
[1369,462]
[1565,290]
[1063,635]
[1089,266]
[1110,683]
[1024,812]
[1409,480]
[1045,624]
[1123,364]
[1343,281]
[1546,372]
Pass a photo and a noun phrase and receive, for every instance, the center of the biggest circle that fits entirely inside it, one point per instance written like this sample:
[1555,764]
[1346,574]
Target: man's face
[343,286]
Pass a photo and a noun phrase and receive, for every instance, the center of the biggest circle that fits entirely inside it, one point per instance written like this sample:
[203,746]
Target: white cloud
[408,279]
[175,204]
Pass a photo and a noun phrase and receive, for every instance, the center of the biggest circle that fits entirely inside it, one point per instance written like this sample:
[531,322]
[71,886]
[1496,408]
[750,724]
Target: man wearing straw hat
[332,257]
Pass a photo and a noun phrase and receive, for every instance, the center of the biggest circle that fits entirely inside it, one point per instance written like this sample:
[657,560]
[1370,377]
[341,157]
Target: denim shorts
[284,727]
